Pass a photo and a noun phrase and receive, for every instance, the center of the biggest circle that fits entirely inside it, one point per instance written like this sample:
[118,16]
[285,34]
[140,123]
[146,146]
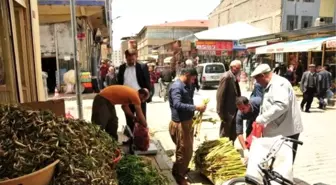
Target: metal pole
[76,63]
[58,76]
[295,21]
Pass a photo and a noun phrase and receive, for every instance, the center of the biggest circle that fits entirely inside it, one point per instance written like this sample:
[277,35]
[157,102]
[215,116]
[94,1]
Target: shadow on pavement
[298,181]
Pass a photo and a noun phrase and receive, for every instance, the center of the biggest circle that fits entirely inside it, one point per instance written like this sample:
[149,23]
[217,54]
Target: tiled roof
[187,23]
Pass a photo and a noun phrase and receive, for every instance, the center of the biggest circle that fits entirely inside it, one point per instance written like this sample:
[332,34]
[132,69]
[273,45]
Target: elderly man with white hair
[227,93]
[279,112]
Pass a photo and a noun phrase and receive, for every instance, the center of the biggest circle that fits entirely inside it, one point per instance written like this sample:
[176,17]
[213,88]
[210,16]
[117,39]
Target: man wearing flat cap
[308,87]
[279,112]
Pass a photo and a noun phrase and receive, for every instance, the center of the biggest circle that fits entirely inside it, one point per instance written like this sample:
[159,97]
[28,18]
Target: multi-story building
[116,57]
[156,35]
[272,16]
[328,11]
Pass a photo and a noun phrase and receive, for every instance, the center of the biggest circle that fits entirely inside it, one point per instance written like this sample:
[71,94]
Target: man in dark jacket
[227,93]
[136,76]
[324,79]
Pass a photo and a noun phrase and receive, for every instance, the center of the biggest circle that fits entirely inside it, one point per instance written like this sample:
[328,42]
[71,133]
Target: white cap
[261,69]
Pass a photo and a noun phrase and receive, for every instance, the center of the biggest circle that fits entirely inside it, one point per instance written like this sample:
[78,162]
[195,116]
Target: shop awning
[294,46]
[235,31]
[331,43]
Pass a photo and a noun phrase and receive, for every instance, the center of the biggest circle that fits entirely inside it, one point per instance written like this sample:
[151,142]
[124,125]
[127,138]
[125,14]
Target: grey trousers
[104,114]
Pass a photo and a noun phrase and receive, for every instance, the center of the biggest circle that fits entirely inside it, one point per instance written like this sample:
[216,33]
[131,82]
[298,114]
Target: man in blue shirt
[247,110]
[258,91]
[180,127]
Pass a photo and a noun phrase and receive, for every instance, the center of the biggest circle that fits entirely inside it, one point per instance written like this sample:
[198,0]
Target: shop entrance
[49,66]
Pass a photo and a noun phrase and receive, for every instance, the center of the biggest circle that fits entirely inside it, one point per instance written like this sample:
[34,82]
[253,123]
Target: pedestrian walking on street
[180,127]
[324,81]
[153,79]
[103,107]
[228,91]
[279,112]
[111,77]
[103,69]
[134,75]
[247,110]
[308,87]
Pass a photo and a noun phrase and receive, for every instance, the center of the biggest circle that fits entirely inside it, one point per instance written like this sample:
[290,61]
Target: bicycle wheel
[236,181]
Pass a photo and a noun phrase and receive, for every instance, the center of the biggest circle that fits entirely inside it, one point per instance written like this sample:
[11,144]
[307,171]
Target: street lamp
[111,31]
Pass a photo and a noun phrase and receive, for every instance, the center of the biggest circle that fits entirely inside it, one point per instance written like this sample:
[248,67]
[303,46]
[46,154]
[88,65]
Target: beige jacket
[280,112]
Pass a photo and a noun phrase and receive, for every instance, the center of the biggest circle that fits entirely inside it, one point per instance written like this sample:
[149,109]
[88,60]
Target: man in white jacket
[279,112]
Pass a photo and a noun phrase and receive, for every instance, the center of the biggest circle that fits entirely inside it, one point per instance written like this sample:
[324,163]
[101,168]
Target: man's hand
[201,107]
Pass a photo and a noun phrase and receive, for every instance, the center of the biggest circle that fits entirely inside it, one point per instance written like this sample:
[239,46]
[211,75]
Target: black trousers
[104,114]
[228,129]
[130,121]
[321,96]
[308,97]
[295,146]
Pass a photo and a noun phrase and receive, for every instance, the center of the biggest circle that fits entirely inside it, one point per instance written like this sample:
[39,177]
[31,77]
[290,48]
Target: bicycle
[266,168]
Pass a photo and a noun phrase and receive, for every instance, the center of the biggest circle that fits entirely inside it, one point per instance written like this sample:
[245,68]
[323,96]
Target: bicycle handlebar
[293,140]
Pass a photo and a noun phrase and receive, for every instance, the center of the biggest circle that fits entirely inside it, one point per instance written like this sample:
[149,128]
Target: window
[308,1]
[214,68]
[292,22]
[327,20]
[306,21]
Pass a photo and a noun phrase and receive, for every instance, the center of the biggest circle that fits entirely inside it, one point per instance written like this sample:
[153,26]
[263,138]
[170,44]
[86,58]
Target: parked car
[209,74]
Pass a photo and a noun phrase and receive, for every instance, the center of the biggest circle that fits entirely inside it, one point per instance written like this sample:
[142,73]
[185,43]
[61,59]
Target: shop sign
[214,45]
[206,52]
[331,44]
[237,46]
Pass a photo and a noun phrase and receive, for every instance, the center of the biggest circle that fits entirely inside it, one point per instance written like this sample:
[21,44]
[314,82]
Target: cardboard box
[55,106]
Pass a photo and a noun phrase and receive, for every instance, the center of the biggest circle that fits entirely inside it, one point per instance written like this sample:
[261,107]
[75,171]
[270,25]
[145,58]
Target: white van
[209,74]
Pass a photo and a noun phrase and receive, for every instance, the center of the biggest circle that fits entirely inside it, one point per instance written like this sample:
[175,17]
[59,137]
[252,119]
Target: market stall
[221,44]
[329,59]
[39,148]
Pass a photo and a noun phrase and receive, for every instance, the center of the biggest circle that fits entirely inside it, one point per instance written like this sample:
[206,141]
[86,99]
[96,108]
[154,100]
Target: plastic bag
[141,137]
[257,131]
[283,163]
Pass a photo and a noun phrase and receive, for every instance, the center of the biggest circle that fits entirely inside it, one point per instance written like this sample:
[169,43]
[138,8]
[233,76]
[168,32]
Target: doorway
[49,66]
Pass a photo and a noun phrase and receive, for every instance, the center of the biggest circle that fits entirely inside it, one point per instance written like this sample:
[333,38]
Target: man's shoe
[128,142]
[307,111]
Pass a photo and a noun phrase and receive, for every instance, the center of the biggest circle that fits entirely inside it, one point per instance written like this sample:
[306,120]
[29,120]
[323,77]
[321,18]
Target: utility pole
[76,62]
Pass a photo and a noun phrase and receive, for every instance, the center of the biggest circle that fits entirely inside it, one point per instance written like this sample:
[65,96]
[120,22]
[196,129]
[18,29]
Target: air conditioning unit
[319,21]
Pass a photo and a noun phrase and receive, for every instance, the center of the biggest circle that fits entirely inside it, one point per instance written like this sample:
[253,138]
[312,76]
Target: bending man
[103,108]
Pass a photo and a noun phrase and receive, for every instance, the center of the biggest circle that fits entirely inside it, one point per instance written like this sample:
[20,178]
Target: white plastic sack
[69,77]
[69,88]
[282,164]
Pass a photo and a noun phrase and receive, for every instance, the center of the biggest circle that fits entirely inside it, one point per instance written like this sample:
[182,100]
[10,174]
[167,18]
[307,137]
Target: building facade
[153,36]
[57,39]
[116,57]
[272,16]
[20,62]
[328,10]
